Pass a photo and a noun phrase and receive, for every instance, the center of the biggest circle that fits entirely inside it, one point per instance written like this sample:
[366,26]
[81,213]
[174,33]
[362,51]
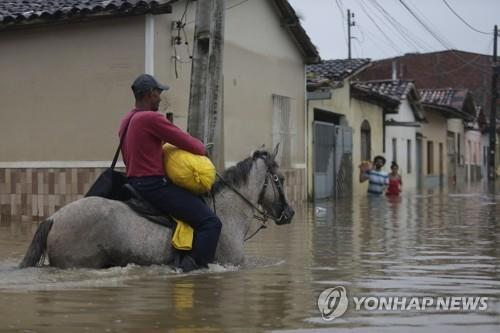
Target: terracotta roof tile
[337,70]
[460,100]
[15,11]
[396,90]
[448,97]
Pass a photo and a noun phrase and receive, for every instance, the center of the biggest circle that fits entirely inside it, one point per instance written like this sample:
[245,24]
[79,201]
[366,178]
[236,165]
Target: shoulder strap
[122,138]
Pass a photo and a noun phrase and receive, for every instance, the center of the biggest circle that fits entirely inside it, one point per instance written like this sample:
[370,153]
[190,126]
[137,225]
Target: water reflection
[434,244]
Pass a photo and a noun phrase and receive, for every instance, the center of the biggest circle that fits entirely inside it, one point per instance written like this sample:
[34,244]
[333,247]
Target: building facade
[403,115]
[73,67]
[456,106]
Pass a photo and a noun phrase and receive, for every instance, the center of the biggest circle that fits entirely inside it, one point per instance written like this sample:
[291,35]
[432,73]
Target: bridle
[262,215]
[280,195]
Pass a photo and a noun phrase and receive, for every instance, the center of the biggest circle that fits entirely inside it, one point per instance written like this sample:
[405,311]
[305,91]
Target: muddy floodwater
[435,244]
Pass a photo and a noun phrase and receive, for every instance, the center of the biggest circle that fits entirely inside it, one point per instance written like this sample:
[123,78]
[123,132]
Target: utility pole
[198,98]
[349,25]
[493,108]
[215,125]
[205,120]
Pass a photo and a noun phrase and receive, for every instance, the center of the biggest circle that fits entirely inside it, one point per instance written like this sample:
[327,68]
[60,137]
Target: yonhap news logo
[333,303]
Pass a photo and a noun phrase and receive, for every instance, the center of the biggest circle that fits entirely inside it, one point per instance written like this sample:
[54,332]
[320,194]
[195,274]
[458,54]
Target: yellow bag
[182,239]
[193,172]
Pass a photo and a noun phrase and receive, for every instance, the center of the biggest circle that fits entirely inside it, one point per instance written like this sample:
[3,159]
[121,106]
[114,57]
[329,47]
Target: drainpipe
[309,195]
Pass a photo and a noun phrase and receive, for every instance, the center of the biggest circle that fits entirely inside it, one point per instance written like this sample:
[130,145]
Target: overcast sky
[389,29]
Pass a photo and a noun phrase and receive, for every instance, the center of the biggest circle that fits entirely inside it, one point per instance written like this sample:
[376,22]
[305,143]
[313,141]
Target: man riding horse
[97,232]
[144,131]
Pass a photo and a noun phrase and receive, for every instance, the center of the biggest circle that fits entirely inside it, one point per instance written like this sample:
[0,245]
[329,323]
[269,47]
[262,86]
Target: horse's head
[272,197]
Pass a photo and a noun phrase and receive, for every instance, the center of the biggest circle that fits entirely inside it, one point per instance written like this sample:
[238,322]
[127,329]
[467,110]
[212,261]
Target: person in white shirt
[378,179]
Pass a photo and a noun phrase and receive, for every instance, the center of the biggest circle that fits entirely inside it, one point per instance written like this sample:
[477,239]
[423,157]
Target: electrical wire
[382,21]
[375,39]
[392,44]
[175,63]
[463,20]
[362,34]
[227,8]
[341,10]
[400,28]
[179,26]
[443,41]
[236,5]
[185,10]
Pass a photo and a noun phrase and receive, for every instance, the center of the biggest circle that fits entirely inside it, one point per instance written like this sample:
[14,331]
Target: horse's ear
[275,151]
[256,153]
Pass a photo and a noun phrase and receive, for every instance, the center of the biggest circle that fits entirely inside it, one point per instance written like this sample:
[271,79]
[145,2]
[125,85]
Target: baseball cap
[146,82]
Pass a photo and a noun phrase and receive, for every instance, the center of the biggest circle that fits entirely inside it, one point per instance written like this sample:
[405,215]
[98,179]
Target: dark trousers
[187,207]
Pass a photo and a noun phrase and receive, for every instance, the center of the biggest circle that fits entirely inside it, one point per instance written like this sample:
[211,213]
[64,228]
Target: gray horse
[95,232]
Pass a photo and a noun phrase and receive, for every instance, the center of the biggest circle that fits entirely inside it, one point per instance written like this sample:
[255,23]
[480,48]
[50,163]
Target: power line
[391,42]
[236,5]
[341,10]
[401,29]
[391,26]
[362,34]
[179,26]
[227,8]
[438,73]
[465,61]
[376,40]
[464,21]
[443,41]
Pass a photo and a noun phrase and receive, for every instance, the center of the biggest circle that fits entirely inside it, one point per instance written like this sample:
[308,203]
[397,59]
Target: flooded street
[436,244]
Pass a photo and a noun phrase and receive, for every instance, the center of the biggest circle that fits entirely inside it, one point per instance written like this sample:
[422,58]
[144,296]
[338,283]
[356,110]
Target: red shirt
[394,186]
[142,149]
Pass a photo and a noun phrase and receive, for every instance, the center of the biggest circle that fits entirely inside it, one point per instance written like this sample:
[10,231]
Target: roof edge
[449,111]
[429,53]
[58,18]
[375,98]
[291,22]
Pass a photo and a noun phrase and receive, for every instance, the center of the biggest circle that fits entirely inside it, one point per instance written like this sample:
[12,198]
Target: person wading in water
[395,182]
[378,179]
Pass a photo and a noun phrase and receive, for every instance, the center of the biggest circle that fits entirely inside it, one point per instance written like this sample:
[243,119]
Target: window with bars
[284,129]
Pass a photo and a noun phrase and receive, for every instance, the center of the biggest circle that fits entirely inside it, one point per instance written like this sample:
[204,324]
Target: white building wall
[473,154]
[456,126]
[406,159]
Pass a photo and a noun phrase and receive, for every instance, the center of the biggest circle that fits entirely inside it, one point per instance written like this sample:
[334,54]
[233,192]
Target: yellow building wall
[63,89]
[259,60]
[374,115]
[434,130]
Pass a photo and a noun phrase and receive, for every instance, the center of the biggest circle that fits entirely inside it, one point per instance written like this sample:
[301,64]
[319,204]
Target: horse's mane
[238,175]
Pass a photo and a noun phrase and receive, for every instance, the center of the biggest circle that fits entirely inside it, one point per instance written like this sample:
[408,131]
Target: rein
[262,215]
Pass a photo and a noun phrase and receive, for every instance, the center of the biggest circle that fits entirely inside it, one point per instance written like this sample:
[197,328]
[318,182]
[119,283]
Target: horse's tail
[35,256]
